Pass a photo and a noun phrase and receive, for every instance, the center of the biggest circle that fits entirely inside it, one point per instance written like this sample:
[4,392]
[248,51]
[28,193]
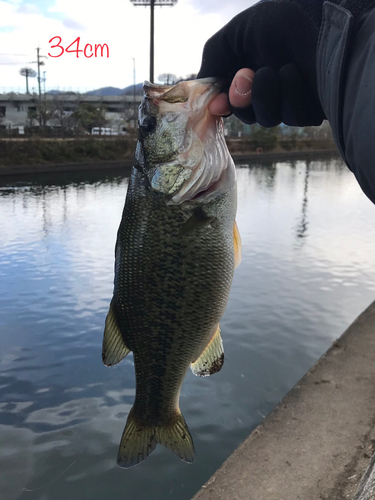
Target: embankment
[41,151]
[317,442]
[36,156]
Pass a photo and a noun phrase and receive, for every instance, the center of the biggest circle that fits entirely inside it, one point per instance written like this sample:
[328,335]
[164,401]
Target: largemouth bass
[176,251]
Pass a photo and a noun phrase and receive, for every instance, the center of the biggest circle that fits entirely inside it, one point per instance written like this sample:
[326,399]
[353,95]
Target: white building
[20,110]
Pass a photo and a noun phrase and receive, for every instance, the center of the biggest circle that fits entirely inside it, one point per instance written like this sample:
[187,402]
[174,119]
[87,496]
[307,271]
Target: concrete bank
[127,163]
[317,443]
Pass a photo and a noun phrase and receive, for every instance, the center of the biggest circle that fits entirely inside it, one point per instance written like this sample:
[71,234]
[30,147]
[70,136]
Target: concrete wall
[317,443]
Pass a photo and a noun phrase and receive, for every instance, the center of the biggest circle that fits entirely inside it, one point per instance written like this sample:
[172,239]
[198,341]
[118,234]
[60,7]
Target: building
[20,110]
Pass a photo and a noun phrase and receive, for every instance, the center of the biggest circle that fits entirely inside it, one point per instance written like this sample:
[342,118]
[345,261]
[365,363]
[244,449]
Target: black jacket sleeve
[278,40]
[346,85]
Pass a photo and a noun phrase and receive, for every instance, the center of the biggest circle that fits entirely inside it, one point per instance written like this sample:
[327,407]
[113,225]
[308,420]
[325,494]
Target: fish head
[181,147]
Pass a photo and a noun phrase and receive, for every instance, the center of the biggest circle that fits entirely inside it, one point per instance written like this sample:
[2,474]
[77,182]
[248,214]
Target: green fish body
[176,251]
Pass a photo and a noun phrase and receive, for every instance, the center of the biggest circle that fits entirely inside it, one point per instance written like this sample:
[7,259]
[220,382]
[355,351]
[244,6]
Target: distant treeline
[37,150]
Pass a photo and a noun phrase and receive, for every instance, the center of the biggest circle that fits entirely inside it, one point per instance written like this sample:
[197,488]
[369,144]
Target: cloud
[226,9]
[7,29]
[28,8]
[180,34]
[73,25]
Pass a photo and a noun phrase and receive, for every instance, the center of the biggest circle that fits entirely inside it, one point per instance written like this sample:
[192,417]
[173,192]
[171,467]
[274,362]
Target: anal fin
[212,359]
[114,348]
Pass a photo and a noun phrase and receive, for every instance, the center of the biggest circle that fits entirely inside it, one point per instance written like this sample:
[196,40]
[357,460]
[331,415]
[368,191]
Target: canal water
[308,269]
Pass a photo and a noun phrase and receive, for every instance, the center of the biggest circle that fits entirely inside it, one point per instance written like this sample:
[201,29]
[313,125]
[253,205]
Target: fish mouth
[163,92]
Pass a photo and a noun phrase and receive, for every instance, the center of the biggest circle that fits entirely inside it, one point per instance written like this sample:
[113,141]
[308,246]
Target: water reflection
[302,227]
[62,412]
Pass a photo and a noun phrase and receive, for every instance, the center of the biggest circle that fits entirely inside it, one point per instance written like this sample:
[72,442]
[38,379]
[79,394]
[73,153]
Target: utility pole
[39,63]
[152,4]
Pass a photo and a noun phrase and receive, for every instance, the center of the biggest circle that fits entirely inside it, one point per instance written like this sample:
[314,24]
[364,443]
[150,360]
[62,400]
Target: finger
[220,105]
[266,98]
[241,87]
[299,107]
[246,115]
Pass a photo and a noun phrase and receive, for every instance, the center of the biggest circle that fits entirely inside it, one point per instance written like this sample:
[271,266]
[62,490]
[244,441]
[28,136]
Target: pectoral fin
[237,245]
[197,220]
[212,359]
[114,348]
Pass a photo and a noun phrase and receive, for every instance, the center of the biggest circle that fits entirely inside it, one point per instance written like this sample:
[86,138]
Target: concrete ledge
[317,442]
[366,489]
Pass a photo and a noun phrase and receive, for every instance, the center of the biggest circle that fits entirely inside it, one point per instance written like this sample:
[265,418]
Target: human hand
[278,41]
[239,94]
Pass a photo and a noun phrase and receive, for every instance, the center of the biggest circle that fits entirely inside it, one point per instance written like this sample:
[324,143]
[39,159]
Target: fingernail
[242,84]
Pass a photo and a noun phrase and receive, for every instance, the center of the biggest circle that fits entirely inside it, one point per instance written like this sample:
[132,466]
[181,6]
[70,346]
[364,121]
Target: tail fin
[138,442]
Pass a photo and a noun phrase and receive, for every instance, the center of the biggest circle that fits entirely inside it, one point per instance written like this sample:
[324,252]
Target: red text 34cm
[98,50]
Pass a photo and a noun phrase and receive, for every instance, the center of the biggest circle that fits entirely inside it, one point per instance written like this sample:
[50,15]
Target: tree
[129,114]
[191,76]
[32,116]
[265,138]
[89,116]
[167,78]
[60,113]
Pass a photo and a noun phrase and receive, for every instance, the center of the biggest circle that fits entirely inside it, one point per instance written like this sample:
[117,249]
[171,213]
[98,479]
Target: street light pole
[134,102]
[152,4]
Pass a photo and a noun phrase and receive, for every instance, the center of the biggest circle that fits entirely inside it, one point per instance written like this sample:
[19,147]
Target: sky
[180,34]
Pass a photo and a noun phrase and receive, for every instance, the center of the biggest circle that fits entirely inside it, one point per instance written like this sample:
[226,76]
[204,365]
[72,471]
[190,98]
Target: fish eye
[148,125]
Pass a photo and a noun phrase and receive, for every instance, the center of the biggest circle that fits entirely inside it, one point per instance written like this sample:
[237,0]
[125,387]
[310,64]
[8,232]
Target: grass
[38,151]
[54,151]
